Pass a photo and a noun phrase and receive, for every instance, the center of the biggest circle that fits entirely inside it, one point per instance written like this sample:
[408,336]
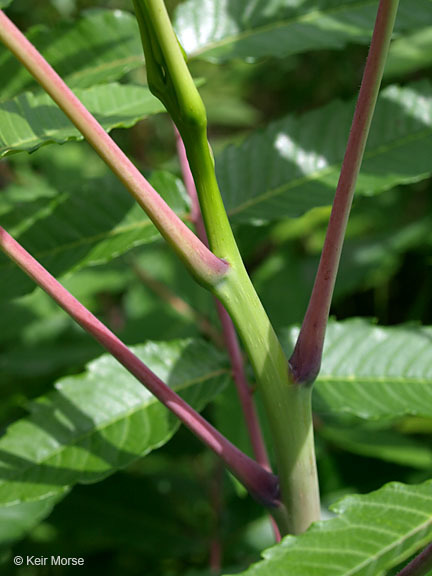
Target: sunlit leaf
[293,165]
[30,121]
[220,30]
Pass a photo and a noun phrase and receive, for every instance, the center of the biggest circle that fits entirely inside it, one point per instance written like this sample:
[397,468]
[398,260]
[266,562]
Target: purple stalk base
[305,362]
[262,484]
[244,390]
[202,263]
[421,564]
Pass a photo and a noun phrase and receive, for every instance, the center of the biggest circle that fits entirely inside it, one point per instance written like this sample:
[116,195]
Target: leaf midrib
[370,154]
[122,108]
[101,67]
[390,547]
[89,240]
[309,16]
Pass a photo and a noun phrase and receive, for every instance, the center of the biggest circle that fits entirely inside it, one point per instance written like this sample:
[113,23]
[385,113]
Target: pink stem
[260,482]
[243,388]
[306,359]
[197,257]
[244,391]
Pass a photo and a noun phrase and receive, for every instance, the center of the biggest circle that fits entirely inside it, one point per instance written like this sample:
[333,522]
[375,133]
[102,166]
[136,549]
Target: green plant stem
[306,359]
[205,266]
[170,80]
[288,407]
[244,391]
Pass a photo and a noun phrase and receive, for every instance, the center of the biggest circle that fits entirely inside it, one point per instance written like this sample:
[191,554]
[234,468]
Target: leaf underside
[371,534]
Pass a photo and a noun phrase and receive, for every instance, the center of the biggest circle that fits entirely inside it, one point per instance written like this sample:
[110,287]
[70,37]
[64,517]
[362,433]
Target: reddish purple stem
[306,359]
[260,482]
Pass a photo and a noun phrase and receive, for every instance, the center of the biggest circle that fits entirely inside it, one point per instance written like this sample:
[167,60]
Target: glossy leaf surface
[293,165]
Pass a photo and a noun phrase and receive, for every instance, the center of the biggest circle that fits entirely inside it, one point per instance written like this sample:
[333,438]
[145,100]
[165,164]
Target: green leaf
[17,520]
[388,445]
[30,121]
[101,46]
[101,421]
[5,3]
[409,53]
[371,259]
[219,30]
[293,165]
[371,534]
[374,372]
[53,230]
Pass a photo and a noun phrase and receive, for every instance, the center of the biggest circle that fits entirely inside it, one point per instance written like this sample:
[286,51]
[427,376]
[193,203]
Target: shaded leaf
[293,165]
[220,30]
[409,53]
[388,445]
[102,420]
[99,47]
[371,259]
[371,534]
[374,372]
[30,121]
[54,231]
[17,520]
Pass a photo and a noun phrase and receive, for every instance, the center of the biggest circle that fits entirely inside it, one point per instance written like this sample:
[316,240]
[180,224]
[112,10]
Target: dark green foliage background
[162,514]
